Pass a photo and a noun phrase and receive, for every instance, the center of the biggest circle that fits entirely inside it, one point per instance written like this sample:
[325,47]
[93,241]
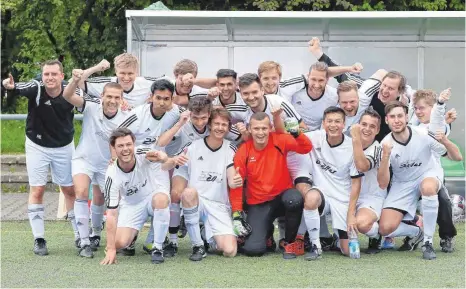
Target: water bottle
[354,245]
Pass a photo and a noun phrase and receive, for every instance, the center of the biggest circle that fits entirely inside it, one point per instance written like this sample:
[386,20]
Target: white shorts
[39,158]
[405,195]
[216,218]
[374,203]
[299,166]
[162,181]
[337,209]
[135,215]
[81,166]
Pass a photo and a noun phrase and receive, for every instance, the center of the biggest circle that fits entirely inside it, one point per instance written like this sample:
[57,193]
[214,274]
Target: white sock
[82,220]
[281,227]
[374,231]
[324,232]
[36,219]
[302,227]
[150,235]
[175,218]
[72,219]
[405,230]
[97,216]
[191,218]
[430,212]
[160,223]
[311,217]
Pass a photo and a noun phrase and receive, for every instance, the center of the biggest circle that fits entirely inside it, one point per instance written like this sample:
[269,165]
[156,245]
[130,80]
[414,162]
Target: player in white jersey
[185,72]
[136,88]
[337,182]
[132,195]
[366,151]
[209,172]
[190,127]
[408,150]
[91,157]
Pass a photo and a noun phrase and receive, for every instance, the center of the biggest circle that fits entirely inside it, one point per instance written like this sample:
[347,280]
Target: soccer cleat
[294,249]
[428,252]
[77,243]
[374,245]
[271,245]
[86,252]
[388,243]
[198,254]
[314,254]
[410,244]
[183,230]
[147,248]
[281,245]
[157,256]
[299,248]
[40,247]
[420,222]
[447,245]
[307,242]
[95,242]
[130,250]
[170,250]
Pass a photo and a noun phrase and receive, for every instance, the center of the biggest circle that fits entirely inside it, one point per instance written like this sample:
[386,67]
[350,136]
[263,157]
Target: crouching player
[208,168]
[130,178]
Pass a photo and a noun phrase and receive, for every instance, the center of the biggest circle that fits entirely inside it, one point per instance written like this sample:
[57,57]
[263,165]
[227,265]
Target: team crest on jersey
[325,167]
[210,177]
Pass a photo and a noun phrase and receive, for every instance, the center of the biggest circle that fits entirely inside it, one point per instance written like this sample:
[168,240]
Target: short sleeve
[290,86]
[112,187]
[368,89]
[435,146]
[95,86]
[354,173]
[231,154]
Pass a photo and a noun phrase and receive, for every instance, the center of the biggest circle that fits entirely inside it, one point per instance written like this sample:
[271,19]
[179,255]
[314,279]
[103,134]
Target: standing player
[129,182]
[49,143]
[366,151]
[185,72]
[90,160]
[269,193]
[207,171]
[337,182]
[410,151]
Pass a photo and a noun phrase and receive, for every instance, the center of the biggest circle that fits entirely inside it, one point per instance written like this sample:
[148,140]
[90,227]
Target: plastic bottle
[354,245]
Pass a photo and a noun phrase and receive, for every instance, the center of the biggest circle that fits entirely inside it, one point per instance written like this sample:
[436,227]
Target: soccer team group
[221,159]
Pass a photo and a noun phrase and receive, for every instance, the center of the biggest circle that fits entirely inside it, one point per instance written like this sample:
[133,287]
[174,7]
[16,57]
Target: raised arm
[28,89]
[101,67]
[69,94]
[360,160]
[167,136]
[300,143]
[437,114]
[383,173]
[339,70]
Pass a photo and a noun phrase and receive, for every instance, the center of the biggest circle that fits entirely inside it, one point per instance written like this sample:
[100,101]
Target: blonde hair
[346,86]
[428,95]
[320,66]
[268,66]
[126,60]
[185,66]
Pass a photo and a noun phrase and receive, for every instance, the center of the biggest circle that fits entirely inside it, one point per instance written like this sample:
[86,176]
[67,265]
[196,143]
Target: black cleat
[428,252]
[410,244]
[86,252]
[314,254]
[374,245]
[307,242]
[95,242]
[77,243]
[130,250]
[40,247]
[170,250]
[157,256]
[271,245]
[447,245]
[182,231]
[198,253]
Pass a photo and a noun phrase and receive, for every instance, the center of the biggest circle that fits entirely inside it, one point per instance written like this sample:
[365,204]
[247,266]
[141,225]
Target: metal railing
[23,117]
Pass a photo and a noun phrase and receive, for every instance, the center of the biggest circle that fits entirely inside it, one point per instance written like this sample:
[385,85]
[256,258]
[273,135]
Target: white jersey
[137,95]
[370,185]
[368,89]
[94,144]
[206,169]
[146,127]
[412,159]
[237,109]
[290,86]
[133,187]
[185,135]
[312,110]
[332,166]
[272,100]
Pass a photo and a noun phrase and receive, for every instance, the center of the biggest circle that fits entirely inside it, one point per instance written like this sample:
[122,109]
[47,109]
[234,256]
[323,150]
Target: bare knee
[189,197]
[175,196]
[97,196]
[82,192]
[36,194]
[312,200]
[386,228]
[429,187]
[68,191]
[364,224]
[160,201]
[230,250]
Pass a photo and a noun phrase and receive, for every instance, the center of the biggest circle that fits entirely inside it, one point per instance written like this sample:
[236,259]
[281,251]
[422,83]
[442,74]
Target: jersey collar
[127,91]
[409,138]
[334,146]
[152,112]
[307,92]
[212,150]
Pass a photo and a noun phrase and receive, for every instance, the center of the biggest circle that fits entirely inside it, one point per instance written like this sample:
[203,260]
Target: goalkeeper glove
[240,226]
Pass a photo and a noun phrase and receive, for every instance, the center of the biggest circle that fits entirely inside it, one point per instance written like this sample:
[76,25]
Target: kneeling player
[130,177]
[366,158]
[337,182]
[209,167]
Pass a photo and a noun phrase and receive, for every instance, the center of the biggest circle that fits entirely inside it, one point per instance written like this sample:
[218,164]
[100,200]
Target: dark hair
[397,75]
[220,112]
[113,85]
[120,132]
[200,103]
[162,84]
[260,115]
[372,113]
[248,79]
[394,104]
[53,62]
[222,73]
[334,109]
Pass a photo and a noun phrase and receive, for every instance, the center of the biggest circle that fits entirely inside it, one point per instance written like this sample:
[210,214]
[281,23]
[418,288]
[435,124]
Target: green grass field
[63,268]
[13,135]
